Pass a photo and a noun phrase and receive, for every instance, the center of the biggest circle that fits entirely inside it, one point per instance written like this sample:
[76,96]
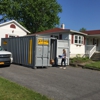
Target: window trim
[82,39]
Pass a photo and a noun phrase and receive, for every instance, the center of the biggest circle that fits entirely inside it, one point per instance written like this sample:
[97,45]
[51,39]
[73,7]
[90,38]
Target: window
[56,37]
[12,26]
[78,39]
[11,36]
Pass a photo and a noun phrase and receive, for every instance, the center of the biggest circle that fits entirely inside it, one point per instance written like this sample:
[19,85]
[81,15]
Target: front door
[96,42]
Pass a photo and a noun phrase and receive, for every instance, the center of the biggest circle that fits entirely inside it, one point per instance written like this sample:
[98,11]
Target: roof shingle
[54,30]
[92,32]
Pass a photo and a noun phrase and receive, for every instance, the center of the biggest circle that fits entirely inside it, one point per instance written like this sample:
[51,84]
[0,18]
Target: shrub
[79,59]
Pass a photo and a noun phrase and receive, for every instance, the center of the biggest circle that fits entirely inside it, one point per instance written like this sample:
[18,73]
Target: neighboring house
[93,38]
[77,39]
[12,29]
[92,42]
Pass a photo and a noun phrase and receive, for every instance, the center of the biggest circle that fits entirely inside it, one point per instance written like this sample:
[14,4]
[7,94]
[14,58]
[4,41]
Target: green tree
[82,29]
[35,15]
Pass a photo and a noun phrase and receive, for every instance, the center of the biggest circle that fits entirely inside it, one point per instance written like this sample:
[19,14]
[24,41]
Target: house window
[12,26]
[78,39]
[56,37]
[11,36]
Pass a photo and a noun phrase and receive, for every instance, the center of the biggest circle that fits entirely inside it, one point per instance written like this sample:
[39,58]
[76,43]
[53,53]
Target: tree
[82,29]
[35,15]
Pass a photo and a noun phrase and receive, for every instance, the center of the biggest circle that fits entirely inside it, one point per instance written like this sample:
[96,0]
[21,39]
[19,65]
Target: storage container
[32,51]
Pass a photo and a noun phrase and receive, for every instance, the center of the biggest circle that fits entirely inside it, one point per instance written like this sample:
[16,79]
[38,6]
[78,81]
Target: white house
[12,29]
[83,43]
[77,39]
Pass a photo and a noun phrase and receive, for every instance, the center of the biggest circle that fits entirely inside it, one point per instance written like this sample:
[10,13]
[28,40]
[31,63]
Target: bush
[79,59]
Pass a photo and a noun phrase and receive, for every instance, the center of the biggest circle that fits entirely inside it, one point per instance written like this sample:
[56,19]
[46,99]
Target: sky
[80,13]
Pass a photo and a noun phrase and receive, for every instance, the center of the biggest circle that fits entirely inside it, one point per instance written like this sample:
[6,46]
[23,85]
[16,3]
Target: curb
[74,65]
[84,67]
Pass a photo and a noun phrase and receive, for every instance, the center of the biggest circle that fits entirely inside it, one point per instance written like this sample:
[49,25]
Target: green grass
[13,91]
[93,65]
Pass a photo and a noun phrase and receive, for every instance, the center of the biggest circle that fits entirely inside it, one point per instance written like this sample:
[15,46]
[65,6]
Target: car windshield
[1,48]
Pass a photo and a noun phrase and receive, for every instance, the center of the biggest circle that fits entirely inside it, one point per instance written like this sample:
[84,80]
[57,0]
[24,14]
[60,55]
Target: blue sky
[80,13]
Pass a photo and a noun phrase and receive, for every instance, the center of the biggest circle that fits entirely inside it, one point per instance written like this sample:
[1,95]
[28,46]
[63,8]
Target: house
[93,38]
[83,43]
[12,29]
[92,42]
[77,39]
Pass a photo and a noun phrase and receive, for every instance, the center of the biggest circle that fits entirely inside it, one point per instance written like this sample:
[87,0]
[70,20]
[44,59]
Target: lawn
[13,91]
[95,65]
[85,63]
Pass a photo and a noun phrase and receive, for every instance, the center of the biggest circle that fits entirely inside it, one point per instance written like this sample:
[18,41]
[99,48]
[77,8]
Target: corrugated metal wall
[32,51]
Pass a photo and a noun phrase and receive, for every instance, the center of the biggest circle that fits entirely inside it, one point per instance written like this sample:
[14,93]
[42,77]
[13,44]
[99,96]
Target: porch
[92,45]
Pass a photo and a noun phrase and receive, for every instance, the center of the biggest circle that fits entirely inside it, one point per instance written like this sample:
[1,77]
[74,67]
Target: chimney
[63,26]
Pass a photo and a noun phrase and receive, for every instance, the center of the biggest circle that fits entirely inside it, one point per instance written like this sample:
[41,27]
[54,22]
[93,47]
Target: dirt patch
[84,63]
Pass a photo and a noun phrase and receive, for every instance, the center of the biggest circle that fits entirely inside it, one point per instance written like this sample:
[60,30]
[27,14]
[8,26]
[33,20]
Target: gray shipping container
[32,51]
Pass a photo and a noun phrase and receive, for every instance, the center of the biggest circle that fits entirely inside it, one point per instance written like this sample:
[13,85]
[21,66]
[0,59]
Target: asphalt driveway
[59,84]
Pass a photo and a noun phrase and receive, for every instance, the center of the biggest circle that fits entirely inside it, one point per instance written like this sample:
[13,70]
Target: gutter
[94,35]
[78,32]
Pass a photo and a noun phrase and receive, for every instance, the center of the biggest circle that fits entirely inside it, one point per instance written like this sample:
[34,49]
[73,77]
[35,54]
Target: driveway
[59,84]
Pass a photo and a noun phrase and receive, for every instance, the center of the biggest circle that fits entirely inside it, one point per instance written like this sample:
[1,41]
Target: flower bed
[85,63]
[79,61]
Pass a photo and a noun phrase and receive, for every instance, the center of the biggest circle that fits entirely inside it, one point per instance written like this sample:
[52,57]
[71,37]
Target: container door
[45,55]
[63,44]
[42,52]
[39,56]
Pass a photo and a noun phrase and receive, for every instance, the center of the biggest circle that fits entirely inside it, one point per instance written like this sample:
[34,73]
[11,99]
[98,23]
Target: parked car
[5,57]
